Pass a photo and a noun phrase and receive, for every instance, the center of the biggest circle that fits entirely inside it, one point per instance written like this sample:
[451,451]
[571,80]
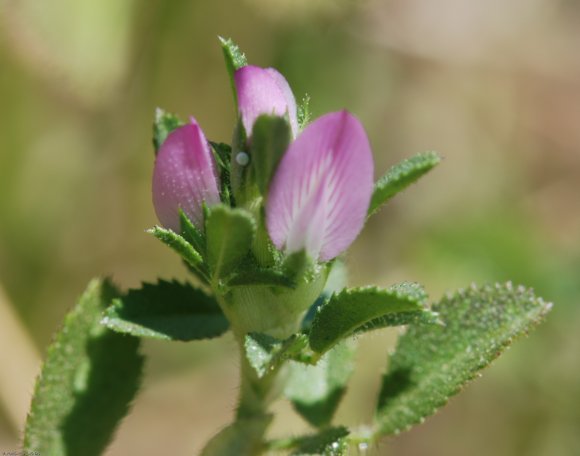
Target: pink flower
[184,177]
[264,91]
[320,194]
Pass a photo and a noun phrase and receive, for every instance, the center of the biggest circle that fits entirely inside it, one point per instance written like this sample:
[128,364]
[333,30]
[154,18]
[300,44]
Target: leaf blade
[234,58]
[400,177]
[166,311]
[343,313]
[183,248]
[432,363]
[85,363]
[266,353]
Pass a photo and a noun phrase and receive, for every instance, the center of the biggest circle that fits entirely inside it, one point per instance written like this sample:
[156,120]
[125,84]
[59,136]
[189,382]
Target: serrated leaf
[328,442]
[265,353]
[270,138]
[164,124]
[168,311]
[235,59]
[345,312]
[87,382]
[304,112]
[316,391]
[432,363]
[230,233]
[400,177]
[182,247]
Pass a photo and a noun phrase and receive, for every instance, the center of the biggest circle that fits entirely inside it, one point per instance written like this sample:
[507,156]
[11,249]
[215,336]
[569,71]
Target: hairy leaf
[230,233]
[191,233]
[414,291]
[87,382]
[316,391]
[265,353]
[433,362]
[401,176]
[166,310]
[223,154]
[180,245]
[349,310]
[235,59]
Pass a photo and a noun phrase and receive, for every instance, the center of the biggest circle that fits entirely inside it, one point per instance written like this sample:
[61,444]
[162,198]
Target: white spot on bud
[242,158]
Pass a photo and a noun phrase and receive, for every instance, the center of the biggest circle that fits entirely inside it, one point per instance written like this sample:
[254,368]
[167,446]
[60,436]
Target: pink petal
[184,176]
[264,91]
[321,191]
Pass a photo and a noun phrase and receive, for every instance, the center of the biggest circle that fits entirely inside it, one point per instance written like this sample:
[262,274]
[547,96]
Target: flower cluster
[317,196]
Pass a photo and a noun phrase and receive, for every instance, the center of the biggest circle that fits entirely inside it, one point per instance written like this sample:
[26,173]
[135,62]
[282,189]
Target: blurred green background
[493,86]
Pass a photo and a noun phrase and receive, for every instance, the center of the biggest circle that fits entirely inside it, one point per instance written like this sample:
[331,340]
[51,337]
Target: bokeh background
[493,86]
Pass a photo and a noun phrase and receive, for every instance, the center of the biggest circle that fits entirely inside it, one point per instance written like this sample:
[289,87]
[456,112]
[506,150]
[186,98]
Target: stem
[255,393]
[276,312]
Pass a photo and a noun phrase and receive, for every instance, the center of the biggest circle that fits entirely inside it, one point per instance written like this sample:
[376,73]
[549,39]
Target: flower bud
[320,194]
[184,177]
[264,91]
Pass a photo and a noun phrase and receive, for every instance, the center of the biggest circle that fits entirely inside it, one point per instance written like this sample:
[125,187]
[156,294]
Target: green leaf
[433,363]
[182,247]
[235,59]
[328,442]
[164,124]
[270,138]
[266,353]
[415,292]
[304,112]
[166,310]
[345,312]
[87,382]
[316,391]
[230,233]
[191,233]
[400,177]
[223,154]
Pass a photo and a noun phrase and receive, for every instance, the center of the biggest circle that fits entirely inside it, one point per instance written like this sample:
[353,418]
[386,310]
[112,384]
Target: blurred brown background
[493,86]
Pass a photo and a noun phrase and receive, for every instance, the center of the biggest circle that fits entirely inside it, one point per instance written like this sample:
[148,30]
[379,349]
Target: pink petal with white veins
[184,177]
[264,91]
[320,194]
